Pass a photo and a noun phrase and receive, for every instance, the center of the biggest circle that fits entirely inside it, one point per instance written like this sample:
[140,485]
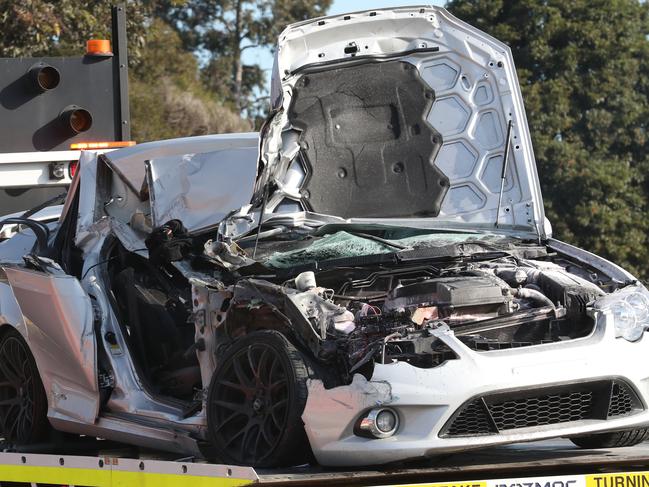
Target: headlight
[630,310]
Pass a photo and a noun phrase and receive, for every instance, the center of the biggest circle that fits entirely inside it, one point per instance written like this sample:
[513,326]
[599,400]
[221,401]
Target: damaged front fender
[327,409]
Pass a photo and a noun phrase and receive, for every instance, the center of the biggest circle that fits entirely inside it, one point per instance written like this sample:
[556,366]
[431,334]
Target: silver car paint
[477,92]
[425,399]
[67,361]
[128,162]
[201,189]
[130,403]
[59,330]
[46,215]
[134,415]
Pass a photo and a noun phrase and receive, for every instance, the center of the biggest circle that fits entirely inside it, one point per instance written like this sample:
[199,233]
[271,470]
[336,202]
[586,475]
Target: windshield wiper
[380,240]
[263,234]
[410,256]
[451,252]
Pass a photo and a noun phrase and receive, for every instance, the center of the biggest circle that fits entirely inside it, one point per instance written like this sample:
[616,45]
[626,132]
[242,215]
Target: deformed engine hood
[398,113]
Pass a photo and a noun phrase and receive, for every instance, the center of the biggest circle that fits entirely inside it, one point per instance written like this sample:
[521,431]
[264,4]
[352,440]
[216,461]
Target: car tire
[255,402]
[615,439]
[23,403]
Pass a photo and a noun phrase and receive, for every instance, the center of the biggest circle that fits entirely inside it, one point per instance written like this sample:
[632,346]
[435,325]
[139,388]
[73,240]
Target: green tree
[221,31]
[166,94]
[583,69]
[167,97]
[61,27]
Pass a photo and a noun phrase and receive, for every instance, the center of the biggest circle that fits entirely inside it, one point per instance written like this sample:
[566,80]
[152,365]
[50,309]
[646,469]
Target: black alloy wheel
[255,403]
[23,404]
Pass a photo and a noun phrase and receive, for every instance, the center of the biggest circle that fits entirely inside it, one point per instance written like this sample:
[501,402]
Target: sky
[264,58]
[343,6]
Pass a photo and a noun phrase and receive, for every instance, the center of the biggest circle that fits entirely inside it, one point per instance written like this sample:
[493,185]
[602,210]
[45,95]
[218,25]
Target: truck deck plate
[554,463]
[546,458]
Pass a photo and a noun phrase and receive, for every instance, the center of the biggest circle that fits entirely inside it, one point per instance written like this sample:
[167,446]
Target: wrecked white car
[402,296]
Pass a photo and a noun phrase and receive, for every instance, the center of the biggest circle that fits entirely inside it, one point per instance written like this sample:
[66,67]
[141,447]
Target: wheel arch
[12,318]
[25,410]
[10,313]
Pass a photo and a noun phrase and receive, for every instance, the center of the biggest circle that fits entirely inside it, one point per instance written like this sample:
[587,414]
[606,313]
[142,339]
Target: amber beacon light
[98,47]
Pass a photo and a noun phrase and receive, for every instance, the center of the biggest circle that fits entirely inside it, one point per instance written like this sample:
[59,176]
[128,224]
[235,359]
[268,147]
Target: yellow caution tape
[113,477]
[88,477]
[630,479]
[622,479]
[471,483]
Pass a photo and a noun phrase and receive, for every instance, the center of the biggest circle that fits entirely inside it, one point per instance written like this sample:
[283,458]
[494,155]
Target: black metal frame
[33,118]
[120,72]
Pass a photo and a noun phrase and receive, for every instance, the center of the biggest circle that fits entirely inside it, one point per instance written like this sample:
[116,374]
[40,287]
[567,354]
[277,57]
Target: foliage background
[583,67]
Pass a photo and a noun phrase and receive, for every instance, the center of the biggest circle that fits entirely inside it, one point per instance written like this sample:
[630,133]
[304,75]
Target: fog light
[386,421]
[379,423]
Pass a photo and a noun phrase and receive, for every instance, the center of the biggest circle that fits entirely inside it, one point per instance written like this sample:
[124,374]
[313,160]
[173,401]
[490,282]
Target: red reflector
[72,168]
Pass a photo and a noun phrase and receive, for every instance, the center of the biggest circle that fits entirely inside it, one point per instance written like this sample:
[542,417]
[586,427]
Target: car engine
[363,316]
[348,314]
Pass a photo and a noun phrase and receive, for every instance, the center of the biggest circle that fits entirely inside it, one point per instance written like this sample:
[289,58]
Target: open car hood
[402,114]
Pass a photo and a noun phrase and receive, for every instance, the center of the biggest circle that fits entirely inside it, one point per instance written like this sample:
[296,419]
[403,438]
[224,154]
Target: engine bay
[344,313]
[359,311]
[390,314]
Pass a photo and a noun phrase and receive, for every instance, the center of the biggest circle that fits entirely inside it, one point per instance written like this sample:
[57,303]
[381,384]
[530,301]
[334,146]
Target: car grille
[623,400]
[541,410]
[492,414]
[473,420]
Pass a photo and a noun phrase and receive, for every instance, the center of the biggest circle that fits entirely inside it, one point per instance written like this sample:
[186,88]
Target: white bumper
[425,399]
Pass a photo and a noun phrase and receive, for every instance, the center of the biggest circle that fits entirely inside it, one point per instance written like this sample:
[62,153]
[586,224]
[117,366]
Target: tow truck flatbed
[553,463]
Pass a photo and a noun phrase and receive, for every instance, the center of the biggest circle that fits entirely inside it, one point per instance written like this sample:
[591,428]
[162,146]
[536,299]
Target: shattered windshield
[353,244]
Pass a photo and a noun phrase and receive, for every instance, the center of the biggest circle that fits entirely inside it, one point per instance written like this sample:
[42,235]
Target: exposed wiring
[95,265]
[105,262]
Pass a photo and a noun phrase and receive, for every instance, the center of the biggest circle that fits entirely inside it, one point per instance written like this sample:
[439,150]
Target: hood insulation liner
[367,148]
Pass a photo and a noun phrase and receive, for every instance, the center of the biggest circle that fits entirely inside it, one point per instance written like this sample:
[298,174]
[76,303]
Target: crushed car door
[201,189]
[57,318]
[58,321]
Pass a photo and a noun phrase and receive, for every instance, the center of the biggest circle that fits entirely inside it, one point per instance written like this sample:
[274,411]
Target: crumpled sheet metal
[87,199]
[201,189]
[62,321]
[327,409]
[316,310]
[128,163]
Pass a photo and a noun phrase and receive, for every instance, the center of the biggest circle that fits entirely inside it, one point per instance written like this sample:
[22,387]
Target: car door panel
[58,321]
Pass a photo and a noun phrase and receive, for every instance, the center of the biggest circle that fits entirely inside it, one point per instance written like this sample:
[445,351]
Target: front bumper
[426,399]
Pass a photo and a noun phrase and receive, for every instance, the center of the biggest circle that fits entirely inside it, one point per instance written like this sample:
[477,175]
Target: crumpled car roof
[128,163]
